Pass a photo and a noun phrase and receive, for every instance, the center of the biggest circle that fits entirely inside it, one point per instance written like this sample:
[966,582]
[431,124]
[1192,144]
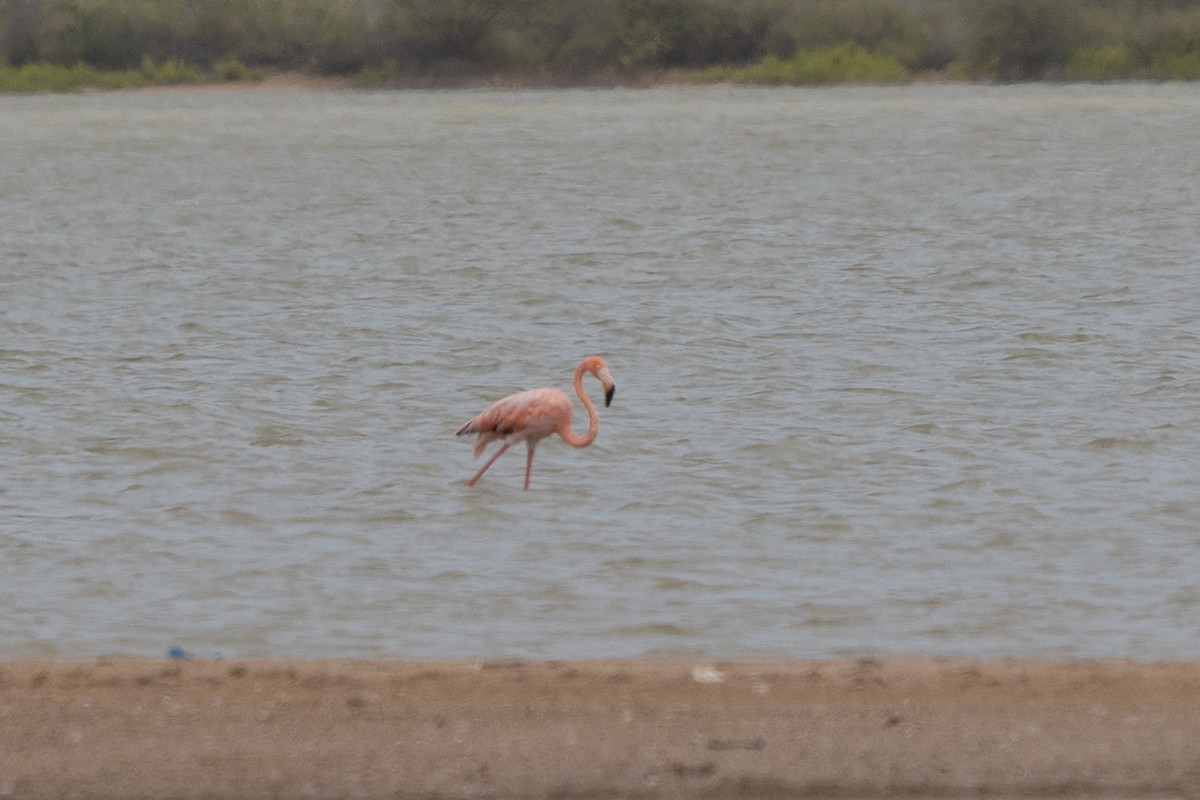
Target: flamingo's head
[597,367]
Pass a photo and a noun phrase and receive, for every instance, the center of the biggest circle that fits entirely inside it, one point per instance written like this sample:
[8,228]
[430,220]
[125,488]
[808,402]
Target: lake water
[900,371]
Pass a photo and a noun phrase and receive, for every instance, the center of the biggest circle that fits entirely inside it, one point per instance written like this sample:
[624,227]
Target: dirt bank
[646,729]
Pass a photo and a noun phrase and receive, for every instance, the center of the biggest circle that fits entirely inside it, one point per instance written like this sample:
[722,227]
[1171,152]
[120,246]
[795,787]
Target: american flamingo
[534,414]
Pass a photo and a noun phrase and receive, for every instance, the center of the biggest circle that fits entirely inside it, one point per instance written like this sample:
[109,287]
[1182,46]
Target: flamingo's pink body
[535,414]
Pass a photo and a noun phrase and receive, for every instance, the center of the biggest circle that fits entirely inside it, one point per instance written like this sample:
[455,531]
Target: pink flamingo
[534,414]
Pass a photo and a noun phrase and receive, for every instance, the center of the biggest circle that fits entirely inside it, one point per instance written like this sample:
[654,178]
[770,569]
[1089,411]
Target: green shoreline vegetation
[69,45]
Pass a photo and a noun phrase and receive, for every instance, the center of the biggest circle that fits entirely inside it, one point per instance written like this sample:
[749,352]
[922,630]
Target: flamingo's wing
[531,415]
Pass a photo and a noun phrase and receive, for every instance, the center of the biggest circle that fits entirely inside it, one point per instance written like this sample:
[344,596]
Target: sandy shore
[640,729]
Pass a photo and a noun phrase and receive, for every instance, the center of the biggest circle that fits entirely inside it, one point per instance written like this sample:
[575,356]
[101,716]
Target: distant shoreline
[119,728]
[302,81]
[397,42]
[298,81]
[279,81]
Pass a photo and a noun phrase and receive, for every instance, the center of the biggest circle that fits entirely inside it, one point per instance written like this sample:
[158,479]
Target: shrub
[43,77]
[1106,63]
[845,63]
[377,76]
[231,69]
[680,33]
[1019,39]
[171,71]
[38,77]
[1179,66]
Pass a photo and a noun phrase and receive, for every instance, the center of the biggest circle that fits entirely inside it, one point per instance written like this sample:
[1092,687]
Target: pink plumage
[534,414]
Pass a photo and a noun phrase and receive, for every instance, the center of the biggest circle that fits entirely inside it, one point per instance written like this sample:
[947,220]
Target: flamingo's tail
[474,427]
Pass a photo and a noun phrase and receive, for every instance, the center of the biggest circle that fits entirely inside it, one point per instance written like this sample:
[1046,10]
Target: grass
[1108,63]
[43,77]
[377,76]
[1180,66]
[845,63]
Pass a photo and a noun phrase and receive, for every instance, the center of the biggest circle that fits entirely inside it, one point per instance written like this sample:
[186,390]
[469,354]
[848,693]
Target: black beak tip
[608,395]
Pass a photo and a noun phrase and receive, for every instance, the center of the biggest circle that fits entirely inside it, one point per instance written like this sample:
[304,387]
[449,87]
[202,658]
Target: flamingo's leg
[490,461]
[529,462]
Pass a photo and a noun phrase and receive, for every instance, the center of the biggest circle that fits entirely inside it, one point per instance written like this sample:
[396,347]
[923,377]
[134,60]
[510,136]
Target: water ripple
[895,377]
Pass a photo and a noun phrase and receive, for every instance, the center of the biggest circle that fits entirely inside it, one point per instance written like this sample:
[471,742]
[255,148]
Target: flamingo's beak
[610,387]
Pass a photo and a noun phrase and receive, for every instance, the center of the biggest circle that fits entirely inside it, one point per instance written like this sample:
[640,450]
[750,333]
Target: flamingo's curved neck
[568,435]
